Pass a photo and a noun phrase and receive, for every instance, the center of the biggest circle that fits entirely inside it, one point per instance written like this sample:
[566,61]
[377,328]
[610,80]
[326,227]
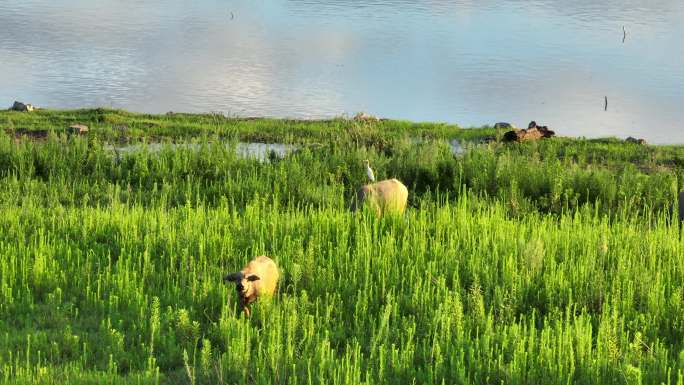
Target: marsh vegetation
[547,262]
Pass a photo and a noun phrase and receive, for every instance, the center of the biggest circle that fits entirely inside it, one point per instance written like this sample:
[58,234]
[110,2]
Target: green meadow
[550,262]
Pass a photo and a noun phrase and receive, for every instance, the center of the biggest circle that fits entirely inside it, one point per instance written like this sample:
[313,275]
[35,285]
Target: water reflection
[460,61]
[255,150]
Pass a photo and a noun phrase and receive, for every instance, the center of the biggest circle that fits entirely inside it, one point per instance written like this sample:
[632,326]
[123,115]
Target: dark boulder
[635,140]
[22,107]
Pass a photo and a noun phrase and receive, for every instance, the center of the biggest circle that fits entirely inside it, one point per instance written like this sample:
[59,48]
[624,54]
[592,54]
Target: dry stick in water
[624,34]
[605,106]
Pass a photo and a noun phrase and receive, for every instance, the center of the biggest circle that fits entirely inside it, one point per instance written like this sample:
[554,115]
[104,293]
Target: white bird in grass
[369,171]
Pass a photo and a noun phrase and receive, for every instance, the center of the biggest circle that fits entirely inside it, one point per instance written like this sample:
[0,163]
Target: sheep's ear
[253,278]
[232,277]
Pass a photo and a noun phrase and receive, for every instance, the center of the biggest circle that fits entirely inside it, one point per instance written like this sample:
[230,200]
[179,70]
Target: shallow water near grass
[256,150]
[260,151]
[470,63]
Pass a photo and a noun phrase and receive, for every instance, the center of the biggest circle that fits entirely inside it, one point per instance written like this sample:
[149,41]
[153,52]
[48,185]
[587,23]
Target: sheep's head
[243,284]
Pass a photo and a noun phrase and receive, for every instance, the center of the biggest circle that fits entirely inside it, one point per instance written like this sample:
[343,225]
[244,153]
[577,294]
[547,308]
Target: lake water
[462,61]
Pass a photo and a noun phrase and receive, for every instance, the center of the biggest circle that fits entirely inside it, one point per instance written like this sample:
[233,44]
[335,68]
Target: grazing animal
[383,197]
[257,279]
[369,171]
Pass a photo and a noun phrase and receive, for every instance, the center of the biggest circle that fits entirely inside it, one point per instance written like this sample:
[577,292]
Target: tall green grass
[551,262]
[455,293]
[550,177]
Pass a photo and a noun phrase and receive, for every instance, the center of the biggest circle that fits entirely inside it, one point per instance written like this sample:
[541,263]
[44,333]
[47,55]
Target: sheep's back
[388,194]
[267,271]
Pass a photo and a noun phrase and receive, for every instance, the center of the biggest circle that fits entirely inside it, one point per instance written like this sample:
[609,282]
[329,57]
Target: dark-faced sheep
[387,196]
[258,278]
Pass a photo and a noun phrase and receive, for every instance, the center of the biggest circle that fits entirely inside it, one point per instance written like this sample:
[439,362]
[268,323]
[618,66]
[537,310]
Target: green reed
[454,293]
[551,262]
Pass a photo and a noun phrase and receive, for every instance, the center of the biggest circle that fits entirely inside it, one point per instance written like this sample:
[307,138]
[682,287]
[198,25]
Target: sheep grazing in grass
[387,196]
[258,278]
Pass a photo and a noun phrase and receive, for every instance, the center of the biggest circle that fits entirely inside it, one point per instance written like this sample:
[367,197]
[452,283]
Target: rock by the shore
[78,129]
[22,107]
[365,117]
[503,126]
[533,132]
[635,140]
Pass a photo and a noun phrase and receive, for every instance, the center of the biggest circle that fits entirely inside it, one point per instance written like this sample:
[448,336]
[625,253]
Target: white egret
[369,171]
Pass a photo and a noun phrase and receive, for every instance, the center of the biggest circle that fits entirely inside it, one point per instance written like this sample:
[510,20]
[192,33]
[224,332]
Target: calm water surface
[466,62]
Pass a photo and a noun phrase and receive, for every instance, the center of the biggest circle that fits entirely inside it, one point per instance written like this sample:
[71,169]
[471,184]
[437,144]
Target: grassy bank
[117,125]
[551,262]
